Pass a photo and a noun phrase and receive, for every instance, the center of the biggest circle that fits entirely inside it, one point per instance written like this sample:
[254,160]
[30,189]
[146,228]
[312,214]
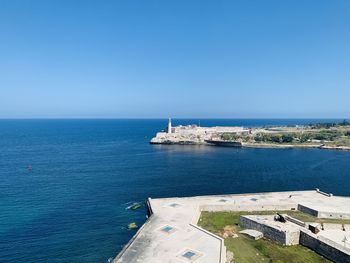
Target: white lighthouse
[169,126]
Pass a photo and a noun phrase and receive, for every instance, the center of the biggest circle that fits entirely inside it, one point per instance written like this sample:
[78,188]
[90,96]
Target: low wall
[323,193]
[325,247]
[234,207]
[322,214]
[307,210]
[268,231]
[294,220]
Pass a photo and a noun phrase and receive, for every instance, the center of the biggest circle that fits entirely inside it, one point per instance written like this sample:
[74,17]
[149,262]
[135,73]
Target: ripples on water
[71,207]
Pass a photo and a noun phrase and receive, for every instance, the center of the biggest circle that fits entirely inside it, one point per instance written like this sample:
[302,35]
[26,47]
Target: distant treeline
[328,125]
[325,132]
[301,137]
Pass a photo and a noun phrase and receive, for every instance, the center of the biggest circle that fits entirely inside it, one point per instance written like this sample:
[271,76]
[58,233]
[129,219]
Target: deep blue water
[72,206]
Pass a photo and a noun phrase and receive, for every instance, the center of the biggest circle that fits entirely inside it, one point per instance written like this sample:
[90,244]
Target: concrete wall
[294,220]
[325,247]
[307,210]
[269,232]
[322,214]
[292,238]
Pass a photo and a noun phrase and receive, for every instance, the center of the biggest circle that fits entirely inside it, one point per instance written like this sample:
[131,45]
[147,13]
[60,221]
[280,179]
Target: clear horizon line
[174,118]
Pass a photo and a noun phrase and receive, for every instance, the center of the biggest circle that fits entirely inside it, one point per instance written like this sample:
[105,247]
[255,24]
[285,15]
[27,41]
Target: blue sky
[130,59]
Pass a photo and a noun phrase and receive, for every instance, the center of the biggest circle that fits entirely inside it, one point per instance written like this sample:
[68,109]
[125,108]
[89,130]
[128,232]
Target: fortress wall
[269,232]
[325,247]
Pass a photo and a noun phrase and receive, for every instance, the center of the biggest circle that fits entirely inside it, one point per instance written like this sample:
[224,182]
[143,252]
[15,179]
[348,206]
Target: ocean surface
[65,185]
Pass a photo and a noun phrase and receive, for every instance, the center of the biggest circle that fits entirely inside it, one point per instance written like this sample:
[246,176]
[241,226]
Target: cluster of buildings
[193,134]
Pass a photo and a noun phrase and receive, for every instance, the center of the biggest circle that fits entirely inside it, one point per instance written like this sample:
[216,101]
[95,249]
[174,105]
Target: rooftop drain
[223,200]
[168,230]
[174,205]
[190,255]
[254,199]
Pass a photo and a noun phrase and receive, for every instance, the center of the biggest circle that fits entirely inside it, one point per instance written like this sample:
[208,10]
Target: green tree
[304,137]
[276,138]
[287,138]
[229,136]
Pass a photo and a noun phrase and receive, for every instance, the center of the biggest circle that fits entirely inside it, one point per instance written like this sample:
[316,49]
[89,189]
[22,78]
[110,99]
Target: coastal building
[193,134]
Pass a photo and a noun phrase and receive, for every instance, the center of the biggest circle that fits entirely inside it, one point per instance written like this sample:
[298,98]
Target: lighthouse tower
[169,126]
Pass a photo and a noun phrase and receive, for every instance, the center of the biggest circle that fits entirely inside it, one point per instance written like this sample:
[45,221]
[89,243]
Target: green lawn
[247,250]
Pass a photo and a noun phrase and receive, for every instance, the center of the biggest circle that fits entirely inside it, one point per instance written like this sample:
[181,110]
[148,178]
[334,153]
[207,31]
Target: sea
[66,185]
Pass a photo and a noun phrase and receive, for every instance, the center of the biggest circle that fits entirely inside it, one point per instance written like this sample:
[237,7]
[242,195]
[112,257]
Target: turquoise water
[72,205]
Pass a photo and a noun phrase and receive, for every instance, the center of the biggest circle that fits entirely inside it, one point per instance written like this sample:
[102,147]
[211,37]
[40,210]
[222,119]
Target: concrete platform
[171,234]
[254,234]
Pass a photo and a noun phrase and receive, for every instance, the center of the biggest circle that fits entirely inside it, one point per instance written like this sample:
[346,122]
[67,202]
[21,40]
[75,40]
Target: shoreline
[263,145]
[292,146]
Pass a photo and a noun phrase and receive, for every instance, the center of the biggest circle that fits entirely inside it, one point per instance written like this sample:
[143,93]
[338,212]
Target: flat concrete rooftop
[171,234]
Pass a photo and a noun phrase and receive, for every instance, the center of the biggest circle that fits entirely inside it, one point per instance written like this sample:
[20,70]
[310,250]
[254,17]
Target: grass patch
[218,220]
[247,250]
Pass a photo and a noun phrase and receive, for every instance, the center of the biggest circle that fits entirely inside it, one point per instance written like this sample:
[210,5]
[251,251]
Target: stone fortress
[171,233]
[193,134]
[292,136]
